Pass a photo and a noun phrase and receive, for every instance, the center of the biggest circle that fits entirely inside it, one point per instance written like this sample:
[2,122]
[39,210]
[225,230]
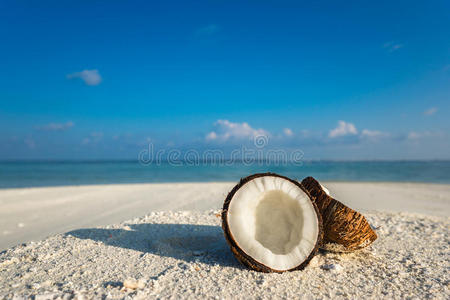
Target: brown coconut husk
[345,229]
[240,255]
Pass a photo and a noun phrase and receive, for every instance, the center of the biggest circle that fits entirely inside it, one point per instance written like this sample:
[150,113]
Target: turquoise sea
[33,174]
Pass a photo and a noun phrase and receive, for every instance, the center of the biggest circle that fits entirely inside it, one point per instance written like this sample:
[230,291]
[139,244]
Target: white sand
[35,213]
[184,255]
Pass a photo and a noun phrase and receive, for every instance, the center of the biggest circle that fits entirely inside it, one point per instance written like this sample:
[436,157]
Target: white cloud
[226,130]
[345,132]
[90,77]
[207,30]
[211,136]
[288,132]
[57,126]
[431,111]
[415,135]
[346,129]
[392,46]
[373,133]
[343,129]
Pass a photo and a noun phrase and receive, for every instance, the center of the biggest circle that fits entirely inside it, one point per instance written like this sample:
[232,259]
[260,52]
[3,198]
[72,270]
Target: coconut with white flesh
[271,224]
[345,229]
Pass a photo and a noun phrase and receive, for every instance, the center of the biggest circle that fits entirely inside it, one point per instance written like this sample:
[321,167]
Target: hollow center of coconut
[278,222]
[274,222]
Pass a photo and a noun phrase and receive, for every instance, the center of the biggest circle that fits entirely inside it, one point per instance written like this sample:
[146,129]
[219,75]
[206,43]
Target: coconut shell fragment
[345,229]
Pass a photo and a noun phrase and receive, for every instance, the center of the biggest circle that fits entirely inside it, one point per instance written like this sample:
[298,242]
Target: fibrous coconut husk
[345,229]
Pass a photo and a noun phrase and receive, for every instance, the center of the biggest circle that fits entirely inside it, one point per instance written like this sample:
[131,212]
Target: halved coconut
[344,229]
[271,224]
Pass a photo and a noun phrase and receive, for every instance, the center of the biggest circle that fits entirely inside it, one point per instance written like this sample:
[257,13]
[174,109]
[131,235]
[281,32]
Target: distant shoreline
[41,174]
[235,160]
[206,182]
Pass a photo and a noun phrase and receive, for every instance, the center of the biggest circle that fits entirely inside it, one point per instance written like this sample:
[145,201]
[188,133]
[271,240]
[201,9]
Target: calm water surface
[32,174]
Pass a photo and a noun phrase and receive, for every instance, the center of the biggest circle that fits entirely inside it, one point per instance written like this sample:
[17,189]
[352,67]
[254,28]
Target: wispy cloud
[431,111]
[226,130]
[373,134]
[288,132]
[90,77]
[417,135]
[211,136]
[57,126]
[346,131]
[392,46]
[207,30]
[343,129]
[94,137]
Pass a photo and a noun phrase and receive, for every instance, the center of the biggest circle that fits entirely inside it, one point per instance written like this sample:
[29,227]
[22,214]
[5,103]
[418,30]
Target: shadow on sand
[202,243]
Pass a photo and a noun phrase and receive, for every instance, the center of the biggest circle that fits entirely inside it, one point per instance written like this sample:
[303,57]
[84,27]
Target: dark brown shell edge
[245,259]
[341,224]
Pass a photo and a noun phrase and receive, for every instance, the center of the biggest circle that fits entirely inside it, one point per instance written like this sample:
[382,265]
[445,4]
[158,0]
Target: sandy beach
[29,214]
[173,150]
[166,242]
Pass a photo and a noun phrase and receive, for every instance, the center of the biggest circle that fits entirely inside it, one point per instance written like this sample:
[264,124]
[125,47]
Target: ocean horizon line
[219,160]
[49,173]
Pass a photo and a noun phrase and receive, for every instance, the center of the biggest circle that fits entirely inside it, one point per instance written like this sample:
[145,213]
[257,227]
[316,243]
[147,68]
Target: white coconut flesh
[273,221]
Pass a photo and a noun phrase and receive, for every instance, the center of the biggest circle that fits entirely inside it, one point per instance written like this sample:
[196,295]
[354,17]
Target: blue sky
[101,79]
